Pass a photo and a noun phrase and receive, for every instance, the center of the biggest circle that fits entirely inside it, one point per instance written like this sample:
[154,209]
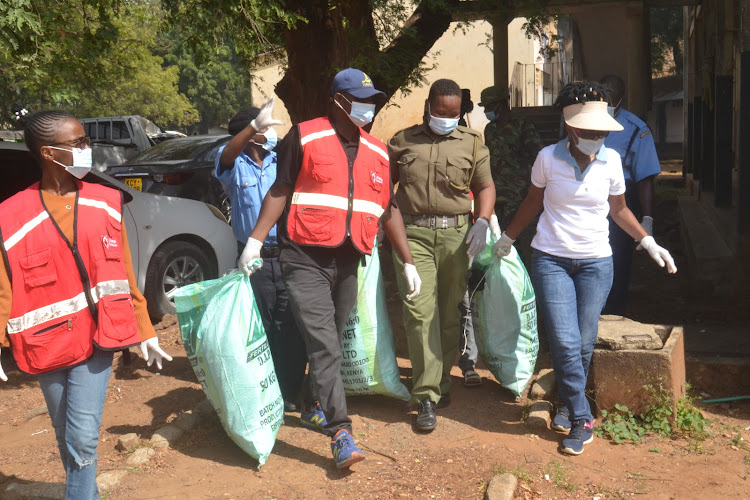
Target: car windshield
[174,149]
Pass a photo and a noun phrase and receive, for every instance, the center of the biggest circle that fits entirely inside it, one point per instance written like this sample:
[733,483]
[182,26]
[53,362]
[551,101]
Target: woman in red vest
[68,294]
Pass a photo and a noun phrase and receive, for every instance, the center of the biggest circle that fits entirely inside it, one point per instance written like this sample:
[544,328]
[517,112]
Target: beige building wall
[463,56]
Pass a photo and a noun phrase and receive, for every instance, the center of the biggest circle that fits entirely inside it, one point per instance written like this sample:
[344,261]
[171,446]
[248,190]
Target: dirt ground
[480,434]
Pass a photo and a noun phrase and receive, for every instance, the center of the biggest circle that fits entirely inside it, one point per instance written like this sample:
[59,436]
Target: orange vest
[331,201]
[66,298]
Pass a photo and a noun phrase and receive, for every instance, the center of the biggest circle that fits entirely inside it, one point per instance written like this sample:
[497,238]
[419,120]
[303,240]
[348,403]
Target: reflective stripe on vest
[327,133]
[66,307]
[329,200]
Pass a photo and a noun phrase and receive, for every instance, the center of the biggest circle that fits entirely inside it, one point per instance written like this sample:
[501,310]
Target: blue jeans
[570,294]
[75,399]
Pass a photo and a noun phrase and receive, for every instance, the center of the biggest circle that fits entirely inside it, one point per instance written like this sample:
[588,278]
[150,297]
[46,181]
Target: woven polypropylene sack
[368,364]
[227,347]
[505,320]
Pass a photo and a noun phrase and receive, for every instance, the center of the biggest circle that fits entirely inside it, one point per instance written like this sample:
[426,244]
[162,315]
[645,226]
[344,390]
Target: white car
[173,241]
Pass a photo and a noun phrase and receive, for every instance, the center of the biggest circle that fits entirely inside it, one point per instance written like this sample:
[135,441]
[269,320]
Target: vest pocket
[112,247]
[53,346]
[116,322]
[314,223]
[38,269]
[322,167]
[369,230]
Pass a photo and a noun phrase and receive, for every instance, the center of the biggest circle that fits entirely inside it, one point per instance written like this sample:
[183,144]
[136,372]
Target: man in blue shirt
[640,164]
[246,167]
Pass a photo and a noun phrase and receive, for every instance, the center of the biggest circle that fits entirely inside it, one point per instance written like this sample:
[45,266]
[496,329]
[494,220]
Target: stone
[109,479]
[51,491]
[539,415]
[186,421]
[140,456]
[128,442]
[166,436]
[619,376]
[501,487]
[618,332]
[204,409]
[544,385]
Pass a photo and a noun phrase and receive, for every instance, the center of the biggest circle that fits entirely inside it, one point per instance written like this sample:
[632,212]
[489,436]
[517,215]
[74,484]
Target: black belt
[269,252]
[435,221]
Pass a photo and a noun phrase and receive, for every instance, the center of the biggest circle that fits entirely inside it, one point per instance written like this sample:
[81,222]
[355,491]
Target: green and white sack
[227,347]
[505,320]
[368,364]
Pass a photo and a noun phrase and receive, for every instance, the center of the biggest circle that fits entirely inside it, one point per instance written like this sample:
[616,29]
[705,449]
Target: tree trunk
[341,35]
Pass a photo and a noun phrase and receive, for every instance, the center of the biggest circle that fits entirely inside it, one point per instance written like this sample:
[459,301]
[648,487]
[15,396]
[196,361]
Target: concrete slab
[619,376]
[618,333]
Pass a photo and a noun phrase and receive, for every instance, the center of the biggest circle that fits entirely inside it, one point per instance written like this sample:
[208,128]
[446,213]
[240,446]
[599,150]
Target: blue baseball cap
[355,82]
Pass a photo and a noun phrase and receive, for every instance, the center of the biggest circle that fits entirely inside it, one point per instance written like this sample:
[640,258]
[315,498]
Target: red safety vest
[66,298]
[330,202]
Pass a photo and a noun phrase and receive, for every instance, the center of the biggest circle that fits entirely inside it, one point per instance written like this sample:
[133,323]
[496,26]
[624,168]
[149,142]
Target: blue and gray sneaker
[561,422]
[314,419]
[581,432]
[345,452]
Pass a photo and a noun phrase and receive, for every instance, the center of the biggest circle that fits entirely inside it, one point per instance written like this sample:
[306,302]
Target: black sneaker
[426,416]
[445,400]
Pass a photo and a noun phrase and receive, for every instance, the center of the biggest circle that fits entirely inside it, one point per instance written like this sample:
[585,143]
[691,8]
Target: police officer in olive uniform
[437,165]
[514,144]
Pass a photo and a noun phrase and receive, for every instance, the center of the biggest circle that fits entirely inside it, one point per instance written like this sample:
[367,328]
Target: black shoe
[445,400]
[290,406]
[426,416]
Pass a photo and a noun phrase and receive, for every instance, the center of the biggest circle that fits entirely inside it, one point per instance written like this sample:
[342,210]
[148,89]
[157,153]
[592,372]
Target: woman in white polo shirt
[575,184]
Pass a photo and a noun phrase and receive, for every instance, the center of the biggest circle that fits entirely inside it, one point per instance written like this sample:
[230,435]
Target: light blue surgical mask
[361,114]
[589,146]
[442,126]
[491,115]
[272,138]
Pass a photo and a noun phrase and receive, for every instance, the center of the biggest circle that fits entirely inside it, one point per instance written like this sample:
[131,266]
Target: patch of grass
[557,475]
[669,189]
[519,471]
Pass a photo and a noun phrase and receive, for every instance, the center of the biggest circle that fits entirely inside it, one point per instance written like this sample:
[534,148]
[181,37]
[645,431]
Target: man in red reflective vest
[332,192]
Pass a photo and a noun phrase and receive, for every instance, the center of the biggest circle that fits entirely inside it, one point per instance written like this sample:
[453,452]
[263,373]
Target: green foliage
[666,41]
[558,475]
[659,418]
[620,425]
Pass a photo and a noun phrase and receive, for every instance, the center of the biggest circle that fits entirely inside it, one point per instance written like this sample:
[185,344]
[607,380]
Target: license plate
[135,183]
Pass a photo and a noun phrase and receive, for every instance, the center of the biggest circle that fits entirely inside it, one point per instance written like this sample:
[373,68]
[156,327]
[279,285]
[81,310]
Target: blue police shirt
[246,184]
[640,161]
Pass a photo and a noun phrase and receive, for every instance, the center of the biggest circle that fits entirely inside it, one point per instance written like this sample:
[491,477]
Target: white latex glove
[3,377]
[502,247]
[151,352]
[413,281]
[659,254]
[250,260]
[648,225]
[476,238]
[495,227]
[264,118]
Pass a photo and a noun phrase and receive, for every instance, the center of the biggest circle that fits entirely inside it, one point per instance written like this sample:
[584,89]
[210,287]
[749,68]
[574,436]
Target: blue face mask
[272,138]
[491,115]
[442,126]
[361,114]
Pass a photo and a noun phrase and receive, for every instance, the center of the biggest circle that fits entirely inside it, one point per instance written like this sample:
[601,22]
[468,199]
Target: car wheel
[225,205]
[174,264]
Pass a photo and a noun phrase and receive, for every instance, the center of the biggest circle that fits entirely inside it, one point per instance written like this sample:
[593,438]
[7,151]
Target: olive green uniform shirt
[434,172]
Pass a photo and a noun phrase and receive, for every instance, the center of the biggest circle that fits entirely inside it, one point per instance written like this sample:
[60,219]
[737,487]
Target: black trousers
[321,300]
[284,338]
[623,246]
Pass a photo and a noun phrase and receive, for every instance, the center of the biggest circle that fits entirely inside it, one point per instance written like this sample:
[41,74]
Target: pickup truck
[116,139]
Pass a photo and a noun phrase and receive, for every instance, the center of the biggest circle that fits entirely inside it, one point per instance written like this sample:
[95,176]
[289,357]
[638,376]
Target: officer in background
[513,143]
[640,164]
[438,164]
[246,168]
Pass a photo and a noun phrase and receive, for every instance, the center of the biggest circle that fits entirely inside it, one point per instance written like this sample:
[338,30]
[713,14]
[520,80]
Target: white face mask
[361,114]
[441,126]
[589,146]
[612,110]
[271,139]
[82,160]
